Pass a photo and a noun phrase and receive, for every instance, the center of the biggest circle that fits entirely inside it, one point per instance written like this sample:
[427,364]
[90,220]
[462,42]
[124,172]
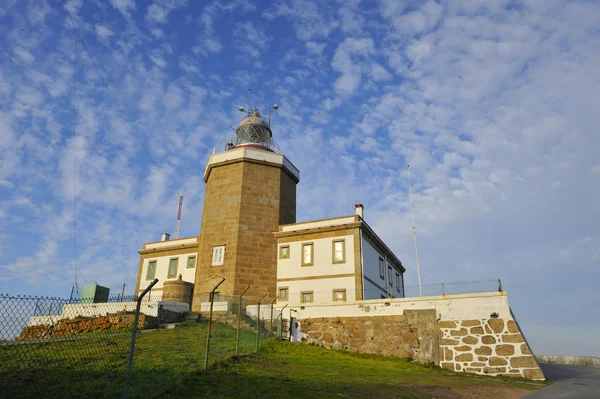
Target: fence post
[258,322]
[237,335]
[133,336]
[499,285]
[271,319]
[281,326]
[212,297]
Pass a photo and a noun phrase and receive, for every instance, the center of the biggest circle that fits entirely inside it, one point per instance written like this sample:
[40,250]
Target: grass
[167,363]
[95,364]
[283,369]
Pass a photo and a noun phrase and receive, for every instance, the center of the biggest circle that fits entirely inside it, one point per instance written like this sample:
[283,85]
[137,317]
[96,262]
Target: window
[191,261]
[306,297]
[398,282]
[390,276]
[339,251]
[284,252]
[151,270]
[381,268]
[283,293]
[307,255]
[173,267]
[339,295]
[218,255]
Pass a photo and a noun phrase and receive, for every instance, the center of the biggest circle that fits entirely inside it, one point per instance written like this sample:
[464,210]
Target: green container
[94,293]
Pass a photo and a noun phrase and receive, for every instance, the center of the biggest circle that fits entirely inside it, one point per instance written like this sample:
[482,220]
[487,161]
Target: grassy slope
[289,370]
[95,364]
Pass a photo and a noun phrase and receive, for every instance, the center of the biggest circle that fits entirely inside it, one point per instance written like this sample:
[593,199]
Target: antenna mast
[179,216]
[414,229]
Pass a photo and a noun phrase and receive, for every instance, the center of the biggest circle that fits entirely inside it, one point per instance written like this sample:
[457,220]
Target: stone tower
[250,191]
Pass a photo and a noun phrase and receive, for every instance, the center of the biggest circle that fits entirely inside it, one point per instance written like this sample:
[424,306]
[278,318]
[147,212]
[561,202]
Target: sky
[494,104]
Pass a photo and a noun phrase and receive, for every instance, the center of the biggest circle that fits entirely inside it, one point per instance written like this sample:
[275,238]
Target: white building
[338,259]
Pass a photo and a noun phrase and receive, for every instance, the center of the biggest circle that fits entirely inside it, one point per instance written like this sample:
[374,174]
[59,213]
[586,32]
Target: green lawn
[94,365]
[291,370]
[168,363]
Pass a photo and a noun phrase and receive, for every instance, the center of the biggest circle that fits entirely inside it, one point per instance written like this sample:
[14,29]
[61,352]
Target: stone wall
[488,346]
[455,332]
[178,291]
[244,204]
[413,334]
[82,325]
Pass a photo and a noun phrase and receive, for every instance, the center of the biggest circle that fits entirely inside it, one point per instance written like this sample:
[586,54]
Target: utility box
[94,293]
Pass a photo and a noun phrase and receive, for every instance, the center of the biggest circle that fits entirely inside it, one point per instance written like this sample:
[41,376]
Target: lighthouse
[250,192]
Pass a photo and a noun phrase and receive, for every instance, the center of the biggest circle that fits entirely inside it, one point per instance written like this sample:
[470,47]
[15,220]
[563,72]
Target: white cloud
[346,61]
[103,31]
[24,55]
[124,6]
[160,10]
[379,73]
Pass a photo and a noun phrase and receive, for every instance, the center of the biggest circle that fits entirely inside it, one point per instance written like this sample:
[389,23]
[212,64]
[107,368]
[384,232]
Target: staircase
[231,319]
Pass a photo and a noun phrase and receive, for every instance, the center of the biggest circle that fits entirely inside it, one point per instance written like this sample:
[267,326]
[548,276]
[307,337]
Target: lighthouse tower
[250,191]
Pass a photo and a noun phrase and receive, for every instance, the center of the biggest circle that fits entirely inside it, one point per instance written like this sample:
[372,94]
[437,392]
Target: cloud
[159,11]
[489,104]
[345,61]
[103,32]
[124,6]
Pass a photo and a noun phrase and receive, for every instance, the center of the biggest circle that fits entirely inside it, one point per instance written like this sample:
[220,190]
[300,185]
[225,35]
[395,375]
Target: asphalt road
[577,382]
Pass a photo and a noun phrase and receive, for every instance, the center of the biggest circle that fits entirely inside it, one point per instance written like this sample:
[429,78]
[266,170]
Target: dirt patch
[469,392]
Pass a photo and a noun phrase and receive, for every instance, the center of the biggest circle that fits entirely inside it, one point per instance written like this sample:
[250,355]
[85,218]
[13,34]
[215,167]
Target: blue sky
[494,105]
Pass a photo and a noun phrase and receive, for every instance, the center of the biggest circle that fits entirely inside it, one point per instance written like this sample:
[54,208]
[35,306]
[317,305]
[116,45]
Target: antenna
[249,93]
[414,229]
[179,216]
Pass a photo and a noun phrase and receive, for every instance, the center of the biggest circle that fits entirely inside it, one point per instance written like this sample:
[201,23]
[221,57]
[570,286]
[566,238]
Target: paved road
[569,382]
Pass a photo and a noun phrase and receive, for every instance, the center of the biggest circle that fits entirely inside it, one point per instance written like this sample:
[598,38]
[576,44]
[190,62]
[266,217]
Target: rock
[497,361]
[327,338]
[447,324]
[477,330]
[459,333]
[525,349]
[482,358]
[471,323]
[470,340]
[449,342]
[448,353]
[505,350]
[497,325]
[512,327]
[488,339]
[473,369]
[494,370]
[447,366]
[478,364]
[458,367]
[484,350]
[533,374]
[463,348]
[523,361]
[514,338]
[465,357]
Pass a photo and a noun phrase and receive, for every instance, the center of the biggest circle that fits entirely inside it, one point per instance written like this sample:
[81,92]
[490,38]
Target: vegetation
[167,364]
[95,364]
[283,369]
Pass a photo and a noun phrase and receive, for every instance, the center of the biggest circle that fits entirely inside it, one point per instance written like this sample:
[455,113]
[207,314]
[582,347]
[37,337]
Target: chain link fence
[56,348]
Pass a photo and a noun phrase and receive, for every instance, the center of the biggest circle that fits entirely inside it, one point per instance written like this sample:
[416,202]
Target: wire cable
[101,75]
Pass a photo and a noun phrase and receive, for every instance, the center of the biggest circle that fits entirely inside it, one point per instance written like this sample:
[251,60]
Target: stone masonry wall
[492,346]
[413,334]
[82,325]
[481,346]
[244,204]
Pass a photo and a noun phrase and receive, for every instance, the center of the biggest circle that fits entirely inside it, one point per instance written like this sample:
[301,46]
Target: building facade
[335,260]
[249,236]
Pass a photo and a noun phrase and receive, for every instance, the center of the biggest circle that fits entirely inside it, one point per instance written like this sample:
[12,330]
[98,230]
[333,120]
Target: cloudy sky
[494,104]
